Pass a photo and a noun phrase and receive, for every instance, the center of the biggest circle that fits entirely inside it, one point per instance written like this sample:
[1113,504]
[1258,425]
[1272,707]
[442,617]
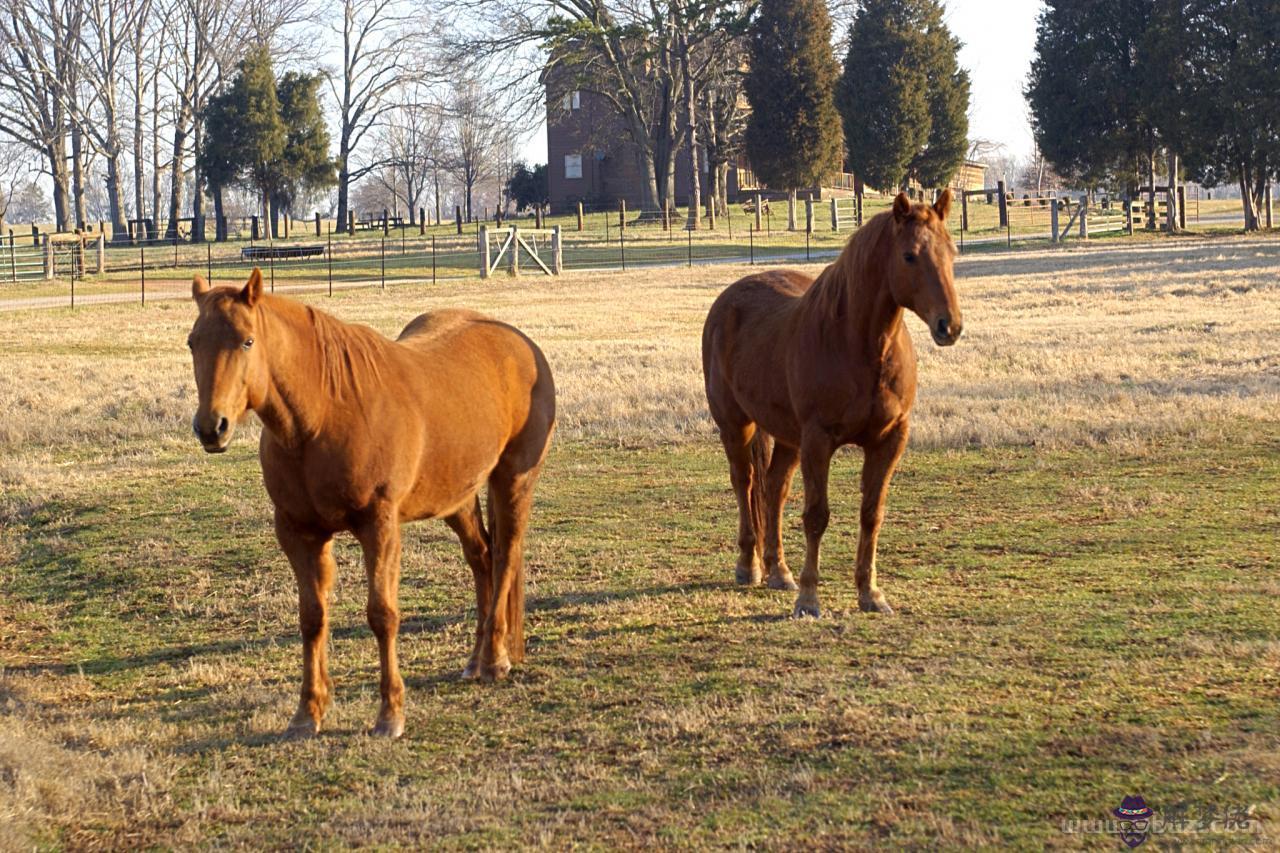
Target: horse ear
[199,287]
[252,291]
[901,207]
[943,205]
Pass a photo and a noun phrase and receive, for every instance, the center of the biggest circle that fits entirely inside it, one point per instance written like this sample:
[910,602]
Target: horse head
[231,371]
[921,278]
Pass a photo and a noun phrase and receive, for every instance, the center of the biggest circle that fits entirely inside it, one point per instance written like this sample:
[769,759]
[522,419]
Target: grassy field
[1081,547]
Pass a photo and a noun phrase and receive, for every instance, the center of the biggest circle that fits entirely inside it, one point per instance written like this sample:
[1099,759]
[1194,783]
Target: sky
[999,40]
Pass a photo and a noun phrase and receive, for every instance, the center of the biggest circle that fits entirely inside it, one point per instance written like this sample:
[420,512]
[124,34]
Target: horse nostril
[944,323]
[222,426]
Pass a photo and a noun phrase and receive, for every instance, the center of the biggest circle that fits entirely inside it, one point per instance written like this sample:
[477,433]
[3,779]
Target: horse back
[744,344]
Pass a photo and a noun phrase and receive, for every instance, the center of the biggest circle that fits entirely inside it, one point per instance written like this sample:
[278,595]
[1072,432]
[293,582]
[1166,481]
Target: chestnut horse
[360,434]
[818,364]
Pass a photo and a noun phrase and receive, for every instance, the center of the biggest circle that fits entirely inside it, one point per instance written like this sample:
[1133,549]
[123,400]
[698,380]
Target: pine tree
[903,97]
[222,155]
[793,134]
[261,129]
[304,165]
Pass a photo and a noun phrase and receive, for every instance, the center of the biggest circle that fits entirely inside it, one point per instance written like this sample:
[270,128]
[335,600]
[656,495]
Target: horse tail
[761,456]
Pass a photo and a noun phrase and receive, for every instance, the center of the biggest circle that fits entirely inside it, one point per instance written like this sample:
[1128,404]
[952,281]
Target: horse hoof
[782,581]
[469,671]
[807,610]
[302,729]
[875,604]
[495,671]
[747,576]
[392,728]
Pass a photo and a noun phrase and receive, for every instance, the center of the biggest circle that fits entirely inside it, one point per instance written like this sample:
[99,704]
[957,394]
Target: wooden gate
[509,243]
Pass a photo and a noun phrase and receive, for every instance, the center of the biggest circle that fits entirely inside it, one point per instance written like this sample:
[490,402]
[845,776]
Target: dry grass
[1061,348]
[125,552]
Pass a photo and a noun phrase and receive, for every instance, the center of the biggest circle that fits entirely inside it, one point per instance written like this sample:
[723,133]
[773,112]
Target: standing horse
[820,364]
[360,434]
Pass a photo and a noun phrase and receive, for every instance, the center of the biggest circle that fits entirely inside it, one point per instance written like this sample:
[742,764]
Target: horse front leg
[380,540]
[878,466]
[815,464]
[742,474]
[311,555]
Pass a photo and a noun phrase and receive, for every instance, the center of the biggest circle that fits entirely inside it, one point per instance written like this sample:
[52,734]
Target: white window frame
[572,100]
[572,163]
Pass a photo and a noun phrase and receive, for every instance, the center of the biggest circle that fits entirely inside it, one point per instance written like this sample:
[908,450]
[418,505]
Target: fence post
[751,236]
[1004,205]
[579,216]
[48,258]
[35,235]
[208,262]
[964,212]
[1053,220]
[351,222]
[857,202]
[13,258]
[835,216]
[759,212]
[513,262]
[433,259]
[484,251]
[422,221]
[1084,217]
[330,242]
[557,251]
[1128,215]
[382,256]
[808,214]
[100,264]
[622,247]
[142,269]
[317,223]
[1266,206]
[622,214]
[791,211]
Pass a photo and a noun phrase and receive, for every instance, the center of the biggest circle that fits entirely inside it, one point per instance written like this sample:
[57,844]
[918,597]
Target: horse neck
[294,406]
[852,301]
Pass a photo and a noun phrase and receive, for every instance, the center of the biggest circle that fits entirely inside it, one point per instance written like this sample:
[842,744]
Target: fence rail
[89,271]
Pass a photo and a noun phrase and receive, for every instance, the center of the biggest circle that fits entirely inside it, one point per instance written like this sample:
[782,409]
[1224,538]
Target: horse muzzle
[945,332]
[213,431]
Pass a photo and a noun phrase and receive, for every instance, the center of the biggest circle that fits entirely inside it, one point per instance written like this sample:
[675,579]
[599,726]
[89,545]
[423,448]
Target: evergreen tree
[1233,96]
[529,188]
[1093,92]
[793,134]
[261,127]
[903,97]
[304,165]
[222,155]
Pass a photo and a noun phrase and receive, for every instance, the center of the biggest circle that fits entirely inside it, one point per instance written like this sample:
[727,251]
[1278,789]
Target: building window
[572,166]
[573,101]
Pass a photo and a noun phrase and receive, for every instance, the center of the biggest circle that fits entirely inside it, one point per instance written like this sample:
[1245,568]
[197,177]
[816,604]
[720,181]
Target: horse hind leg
[468,524]
[511,488]
[743,474]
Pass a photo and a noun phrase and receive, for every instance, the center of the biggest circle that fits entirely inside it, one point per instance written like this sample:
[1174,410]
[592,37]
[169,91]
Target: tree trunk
[197,191]
[177,188]
[1246,199]
[57,156]
[691,118]
[77,174]
[219,225]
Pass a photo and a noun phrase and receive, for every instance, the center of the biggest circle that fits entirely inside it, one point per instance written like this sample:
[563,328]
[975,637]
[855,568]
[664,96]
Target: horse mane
[347,355]
[853,268]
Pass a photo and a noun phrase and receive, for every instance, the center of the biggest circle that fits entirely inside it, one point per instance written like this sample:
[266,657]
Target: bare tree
[380,52]
[476,130]
[412,142]
[37,42]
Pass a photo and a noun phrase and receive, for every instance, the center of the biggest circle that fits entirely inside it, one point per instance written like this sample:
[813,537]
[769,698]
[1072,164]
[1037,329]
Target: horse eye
[248,343]
[909,257]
